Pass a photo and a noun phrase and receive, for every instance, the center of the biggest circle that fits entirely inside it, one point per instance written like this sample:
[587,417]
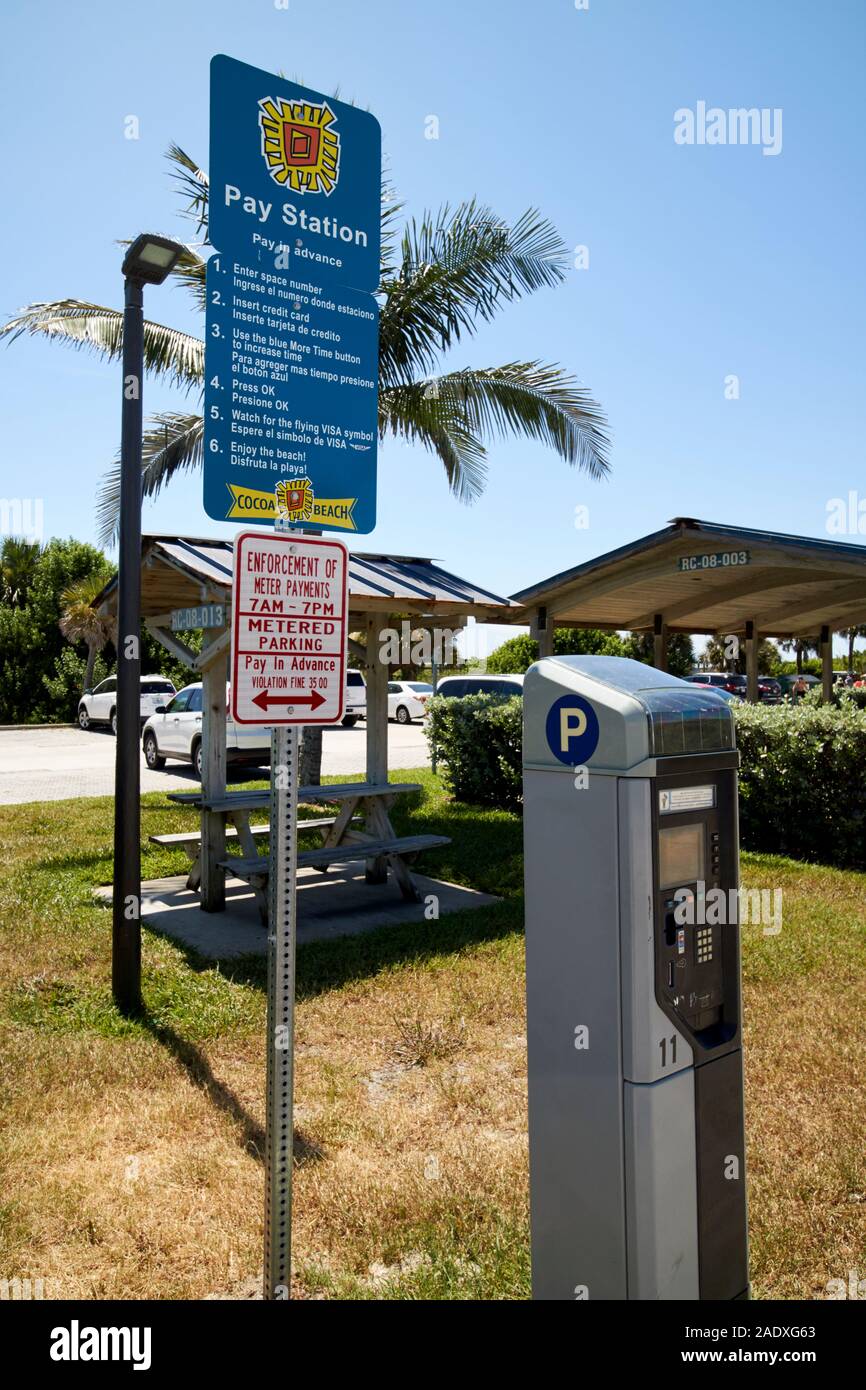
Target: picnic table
[343,837]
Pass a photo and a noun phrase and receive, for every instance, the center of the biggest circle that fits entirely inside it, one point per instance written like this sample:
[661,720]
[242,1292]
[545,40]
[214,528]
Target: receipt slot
[636,1144]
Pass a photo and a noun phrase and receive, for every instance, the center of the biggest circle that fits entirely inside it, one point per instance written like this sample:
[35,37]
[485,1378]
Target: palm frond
[391,209]
[533,399]
[167,352]
[171,443]
[457,271]
[191,270]
[193,184]
[417,413]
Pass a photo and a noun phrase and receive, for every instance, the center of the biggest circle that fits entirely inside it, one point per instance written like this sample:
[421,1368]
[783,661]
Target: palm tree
[440,280]
[80,622]
[801,647]
[852,633]
[18,561]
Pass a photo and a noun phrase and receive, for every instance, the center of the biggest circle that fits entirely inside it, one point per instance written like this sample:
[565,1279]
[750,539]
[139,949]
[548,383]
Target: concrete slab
[339,903]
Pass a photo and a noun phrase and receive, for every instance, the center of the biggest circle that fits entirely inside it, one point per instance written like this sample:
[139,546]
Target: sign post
[288,668]
[290,434]
[279,1125]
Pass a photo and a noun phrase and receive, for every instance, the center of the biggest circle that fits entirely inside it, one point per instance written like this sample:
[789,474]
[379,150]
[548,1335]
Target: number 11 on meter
[289,629]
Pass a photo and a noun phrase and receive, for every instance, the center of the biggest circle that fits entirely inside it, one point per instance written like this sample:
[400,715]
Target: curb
[8,728]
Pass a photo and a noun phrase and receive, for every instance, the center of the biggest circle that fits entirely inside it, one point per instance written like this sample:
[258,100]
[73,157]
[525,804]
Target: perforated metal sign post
[279,1127]
[288,664]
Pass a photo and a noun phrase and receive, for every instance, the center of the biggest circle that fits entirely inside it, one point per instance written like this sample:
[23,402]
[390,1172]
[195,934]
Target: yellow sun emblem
[295,498]
[299,146]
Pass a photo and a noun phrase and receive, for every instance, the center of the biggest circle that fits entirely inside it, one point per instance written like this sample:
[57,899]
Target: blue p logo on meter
[572,730]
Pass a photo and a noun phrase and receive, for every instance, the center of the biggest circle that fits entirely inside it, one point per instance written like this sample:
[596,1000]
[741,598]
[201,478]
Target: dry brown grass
[126,1177]
[132,1154]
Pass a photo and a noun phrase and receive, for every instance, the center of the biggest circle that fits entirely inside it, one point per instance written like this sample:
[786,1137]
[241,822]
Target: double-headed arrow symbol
[314,699]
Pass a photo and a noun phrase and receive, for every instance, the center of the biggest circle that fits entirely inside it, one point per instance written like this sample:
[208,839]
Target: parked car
[174,731]
[770,690]
[99,706]
[456,687]
[407,700]
[721,680]
[356,699]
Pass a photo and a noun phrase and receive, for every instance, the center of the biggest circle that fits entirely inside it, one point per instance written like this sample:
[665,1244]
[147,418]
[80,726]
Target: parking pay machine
[637,1171]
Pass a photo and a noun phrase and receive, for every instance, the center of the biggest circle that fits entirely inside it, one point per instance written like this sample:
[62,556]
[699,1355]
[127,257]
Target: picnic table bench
[190,842]
[342,838]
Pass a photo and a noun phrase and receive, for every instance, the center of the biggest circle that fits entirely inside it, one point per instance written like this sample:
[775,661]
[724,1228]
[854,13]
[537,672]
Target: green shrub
[477,742]
[803,781]
[66,683]
[802,770]
[841,697]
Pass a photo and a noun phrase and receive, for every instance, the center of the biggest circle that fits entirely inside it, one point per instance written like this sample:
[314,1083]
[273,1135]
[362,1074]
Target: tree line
[53,642]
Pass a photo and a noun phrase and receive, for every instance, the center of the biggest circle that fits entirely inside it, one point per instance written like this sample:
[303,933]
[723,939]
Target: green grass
[180,1088]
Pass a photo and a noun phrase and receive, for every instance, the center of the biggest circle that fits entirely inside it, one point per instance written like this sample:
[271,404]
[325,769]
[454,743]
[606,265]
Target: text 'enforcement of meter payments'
[289,631]
[292,331]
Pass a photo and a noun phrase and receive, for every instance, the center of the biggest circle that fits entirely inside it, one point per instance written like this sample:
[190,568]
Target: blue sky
[703,261]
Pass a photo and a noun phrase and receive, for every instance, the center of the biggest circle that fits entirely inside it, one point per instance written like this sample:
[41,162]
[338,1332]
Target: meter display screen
[681,855]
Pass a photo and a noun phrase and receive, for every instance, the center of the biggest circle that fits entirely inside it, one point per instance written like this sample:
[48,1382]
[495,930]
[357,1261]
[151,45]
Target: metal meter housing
[637,1163]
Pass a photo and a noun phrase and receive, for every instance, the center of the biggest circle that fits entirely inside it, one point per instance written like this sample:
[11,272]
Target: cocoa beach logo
[295,498]
[299,144]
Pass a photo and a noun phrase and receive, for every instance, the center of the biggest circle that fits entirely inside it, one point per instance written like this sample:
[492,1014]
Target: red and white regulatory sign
[289,628]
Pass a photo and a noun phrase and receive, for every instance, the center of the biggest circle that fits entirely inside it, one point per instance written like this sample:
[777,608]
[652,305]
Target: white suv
[99,706]
[356,699]
[174,731]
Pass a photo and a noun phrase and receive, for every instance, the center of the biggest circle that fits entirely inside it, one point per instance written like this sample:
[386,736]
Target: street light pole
[126,924]
[148,261]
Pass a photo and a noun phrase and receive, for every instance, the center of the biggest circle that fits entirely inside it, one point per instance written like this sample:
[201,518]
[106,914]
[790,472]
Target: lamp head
[151,258]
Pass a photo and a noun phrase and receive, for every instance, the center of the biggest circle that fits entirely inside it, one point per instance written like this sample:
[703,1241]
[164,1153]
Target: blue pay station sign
[291,399]
[291,369]
[293,169]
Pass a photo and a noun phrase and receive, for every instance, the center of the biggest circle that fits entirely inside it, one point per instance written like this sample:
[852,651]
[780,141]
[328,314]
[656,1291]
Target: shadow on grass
[328,965]
[221,1096]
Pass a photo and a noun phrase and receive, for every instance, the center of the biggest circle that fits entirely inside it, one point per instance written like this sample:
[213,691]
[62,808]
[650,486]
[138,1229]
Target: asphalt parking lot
[56,764]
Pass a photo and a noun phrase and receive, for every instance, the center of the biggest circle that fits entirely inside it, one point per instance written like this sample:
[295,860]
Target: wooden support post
[377,722]
[826,648]
[752,692]
[660,643]
[213,783]
[541,628]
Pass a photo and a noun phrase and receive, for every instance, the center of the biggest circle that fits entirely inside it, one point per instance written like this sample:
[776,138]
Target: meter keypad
[694,858]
